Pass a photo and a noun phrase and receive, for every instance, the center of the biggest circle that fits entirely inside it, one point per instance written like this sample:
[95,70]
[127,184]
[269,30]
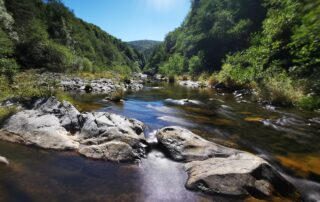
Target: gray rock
[241,174]
[32,127]
[193,84]
[183,145]
[52,124]
[113,151]
[67,114]
[105,135]
[4,160]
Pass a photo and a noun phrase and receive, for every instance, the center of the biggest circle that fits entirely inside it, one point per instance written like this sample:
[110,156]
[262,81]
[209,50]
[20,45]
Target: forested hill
[272,46]
[145,47]
[212,29]
[46,34]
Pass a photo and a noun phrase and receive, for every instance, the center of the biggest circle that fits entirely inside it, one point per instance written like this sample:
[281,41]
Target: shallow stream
[288,139]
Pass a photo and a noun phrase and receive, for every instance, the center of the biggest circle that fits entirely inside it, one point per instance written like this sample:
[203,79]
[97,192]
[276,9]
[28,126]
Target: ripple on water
[176,120]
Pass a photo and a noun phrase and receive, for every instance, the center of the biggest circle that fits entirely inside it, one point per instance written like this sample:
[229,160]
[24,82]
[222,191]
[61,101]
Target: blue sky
[132,19]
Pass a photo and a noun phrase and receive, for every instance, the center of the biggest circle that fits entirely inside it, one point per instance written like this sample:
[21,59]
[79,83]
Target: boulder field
[212,168]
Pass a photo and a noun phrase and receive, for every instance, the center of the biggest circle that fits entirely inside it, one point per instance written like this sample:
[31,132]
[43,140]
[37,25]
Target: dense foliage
[46,34]
[145,47]
[270,45]
[212,29]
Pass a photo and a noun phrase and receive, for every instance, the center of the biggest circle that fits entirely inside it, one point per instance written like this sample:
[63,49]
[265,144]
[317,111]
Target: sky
[131,20]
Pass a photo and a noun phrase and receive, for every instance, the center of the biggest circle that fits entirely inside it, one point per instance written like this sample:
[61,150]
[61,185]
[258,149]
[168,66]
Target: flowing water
[288,139]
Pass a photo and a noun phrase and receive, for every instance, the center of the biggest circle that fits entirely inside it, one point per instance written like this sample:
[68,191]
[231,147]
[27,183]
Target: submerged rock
[52,124]
[4,160]
[241,174]
[183,145]
[183,102]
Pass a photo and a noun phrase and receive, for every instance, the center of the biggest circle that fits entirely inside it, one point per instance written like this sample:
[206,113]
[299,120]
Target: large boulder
[32,127]
[112,137]
[183,145]
[215,169]
[67,114]
[52,124]
[240,174]
[4,160]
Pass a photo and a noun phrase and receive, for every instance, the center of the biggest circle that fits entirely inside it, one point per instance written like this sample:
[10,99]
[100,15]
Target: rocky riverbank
[84,85]
[212,168]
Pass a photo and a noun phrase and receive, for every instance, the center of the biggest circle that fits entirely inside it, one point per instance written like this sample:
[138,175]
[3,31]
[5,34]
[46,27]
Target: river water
[288,139]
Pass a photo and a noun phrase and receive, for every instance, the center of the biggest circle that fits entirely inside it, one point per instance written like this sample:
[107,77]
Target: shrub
[213,79]
[309,102]
[174,66]
[195,65]
[8,68]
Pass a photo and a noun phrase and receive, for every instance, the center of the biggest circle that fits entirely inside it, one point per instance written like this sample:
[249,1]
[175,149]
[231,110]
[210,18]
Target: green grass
[6,112]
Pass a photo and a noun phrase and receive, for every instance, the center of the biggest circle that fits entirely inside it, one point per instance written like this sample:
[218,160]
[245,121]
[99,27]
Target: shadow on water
[289,139]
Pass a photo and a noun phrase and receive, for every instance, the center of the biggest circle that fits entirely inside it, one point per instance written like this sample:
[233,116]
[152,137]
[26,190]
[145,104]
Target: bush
[195,65]
[8,68]
[309,102]
[174,66]
[213,79]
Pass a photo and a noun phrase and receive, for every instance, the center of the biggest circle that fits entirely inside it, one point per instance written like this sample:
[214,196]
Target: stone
[52,124]
[193,84]
[31,127]
[116,151]
[183,145]
[4,160]
[238,175]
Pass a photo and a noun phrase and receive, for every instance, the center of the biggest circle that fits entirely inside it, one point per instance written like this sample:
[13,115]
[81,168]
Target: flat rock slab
[183,145]
[31,127]
[52,124]
[241,174]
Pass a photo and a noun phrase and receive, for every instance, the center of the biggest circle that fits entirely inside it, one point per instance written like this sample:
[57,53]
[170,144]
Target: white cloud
[164,4]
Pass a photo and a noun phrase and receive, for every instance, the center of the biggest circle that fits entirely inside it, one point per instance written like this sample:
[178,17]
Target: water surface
[288,139]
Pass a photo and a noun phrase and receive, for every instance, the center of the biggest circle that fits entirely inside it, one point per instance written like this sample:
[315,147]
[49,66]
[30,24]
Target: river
[288,138]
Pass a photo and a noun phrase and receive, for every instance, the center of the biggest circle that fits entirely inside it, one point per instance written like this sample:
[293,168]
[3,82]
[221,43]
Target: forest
[47,35]
[274,50]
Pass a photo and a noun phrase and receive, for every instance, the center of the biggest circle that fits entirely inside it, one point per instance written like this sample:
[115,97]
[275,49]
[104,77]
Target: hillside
[145,47]
[274,49]
[46,34]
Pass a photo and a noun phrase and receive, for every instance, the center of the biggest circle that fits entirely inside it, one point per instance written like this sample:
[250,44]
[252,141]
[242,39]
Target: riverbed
[288,138]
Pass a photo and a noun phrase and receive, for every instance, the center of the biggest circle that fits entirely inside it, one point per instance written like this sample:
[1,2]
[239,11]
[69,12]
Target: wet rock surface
[52,124]
[215,169]
[4,161]
[238,175]
[183,145]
